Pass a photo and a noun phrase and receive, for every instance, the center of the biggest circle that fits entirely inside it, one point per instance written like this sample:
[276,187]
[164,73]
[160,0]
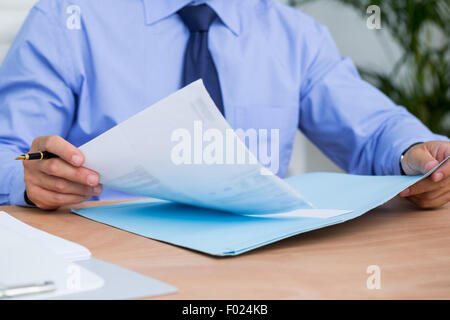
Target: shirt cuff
[401,158]
[16,196]
[400,147]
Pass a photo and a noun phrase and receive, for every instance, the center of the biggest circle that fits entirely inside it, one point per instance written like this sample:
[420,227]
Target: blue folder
[227,234]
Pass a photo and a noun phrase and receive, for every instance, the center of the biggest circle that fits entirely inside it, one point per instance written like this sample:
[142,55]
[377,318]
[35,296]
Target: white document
[69,250]
[25,261]
[141,156]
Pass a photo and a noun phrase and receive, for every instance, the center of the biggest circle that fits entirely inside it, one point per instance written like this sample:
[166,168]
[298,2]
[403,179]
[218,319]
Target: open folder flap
[222,233]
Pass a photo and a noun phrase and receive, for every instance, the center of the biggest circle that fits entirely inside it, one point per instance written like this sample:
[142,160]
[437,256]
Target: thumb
[418,160]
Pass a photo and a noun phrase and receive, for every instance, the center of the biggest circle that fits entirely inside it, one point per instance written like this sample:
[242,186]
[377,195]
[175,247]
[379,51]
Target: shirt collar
[227,10]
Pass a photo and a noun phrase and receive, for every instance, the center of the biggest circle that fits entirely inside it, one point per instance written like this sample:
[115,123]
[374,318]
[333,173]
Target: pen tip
[20,158]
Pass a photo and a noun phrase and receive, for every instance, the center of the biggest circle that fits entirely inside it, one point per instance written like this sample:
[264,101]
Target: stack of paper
[33,257]
[71,251]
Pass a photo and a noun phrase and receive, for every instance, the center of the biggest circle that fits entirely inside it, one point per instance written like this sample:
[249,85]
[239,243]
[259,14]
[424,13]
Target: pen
[26,289]
[37,156]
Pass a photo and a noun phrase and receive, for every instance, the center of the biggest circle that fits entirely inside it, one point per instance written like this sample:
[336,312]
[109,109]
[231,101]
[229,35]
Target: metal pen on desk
[26,289]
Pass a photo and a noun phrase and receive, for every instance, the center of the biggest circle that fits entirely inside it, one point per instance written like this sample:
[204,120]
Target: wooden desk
[411,247]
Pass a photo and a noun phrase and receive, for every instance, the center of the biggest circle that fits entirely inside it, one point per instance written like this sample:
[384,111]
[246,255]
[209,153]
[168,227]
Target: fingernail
[92,180]
[76,160]
[97,190]
[404,193]
[438,176]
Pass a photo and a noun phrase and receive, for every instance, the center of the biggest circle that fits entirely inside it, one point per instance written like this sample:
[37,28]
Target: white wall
[364,46]
[12,14]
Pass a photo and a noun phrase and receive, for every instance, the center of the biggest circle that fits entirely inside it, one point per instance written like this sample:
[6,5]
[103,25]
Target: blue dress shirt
[278,69]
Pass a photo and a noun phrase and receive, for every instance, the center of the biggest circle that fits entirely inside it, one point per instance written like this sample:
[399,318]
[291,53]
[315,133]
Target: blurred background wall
[354,39]
[12,14]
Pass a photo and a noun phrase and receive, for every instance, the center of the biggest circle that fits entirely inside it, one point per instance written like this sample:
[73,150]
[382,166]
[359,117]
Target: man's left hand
[433,191]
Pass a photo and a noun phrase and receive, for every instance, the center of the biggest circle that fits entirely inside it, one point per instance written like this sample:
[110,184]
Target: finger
[426,185]
[430,204]
[442,173]
[60,147]
[61,185]
[432,194]
[59,168]
[48,200]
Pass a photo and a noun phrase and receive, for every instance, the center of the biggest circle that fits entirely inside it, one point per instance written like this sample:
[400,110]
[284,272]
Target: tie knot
[197,18]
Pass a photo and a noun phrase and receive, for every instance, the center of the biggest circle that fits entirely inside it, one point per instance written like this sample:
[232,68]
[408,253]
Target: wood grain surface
[410,246]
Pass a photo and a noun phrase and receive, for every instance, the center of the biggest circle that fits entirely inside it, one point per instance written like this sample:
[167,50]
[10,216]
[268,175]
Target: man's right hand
[58,181]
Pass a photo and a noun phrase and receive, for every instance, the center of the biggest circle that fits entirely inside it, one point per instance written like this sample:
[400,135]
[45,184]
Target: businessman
[79,67]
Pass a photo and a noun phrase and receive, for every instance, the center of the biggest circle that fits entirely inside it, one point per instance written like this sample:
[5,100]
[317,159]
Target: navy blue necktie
[198,62]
